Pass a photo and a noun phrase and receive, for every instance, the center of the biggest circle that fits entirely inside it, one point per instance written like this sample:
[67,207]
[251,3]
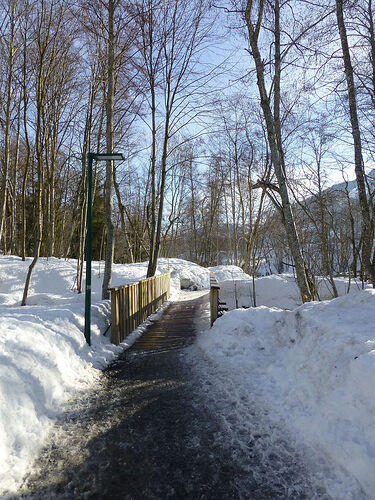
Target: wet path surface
[149,432]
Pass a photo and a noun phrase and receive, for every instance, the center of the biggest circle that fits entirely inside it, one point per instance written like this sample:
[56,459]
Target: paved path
[148,433]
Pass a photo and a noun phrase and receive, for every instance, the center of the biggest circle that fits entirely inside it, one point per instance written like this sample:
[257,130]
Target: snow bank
[315,366]
[280,290]
[184,274]
[44,357]
[276,290]
[343,286]
[223,273]
[187,275]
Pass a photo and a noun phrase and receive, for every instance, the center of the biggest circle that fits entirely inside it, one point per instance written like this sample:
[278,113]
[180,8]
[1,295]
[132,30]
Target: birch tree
[110,243]
[367,226]
[173,33]
[43,26]
[48,57]
[254,15]
[10,47]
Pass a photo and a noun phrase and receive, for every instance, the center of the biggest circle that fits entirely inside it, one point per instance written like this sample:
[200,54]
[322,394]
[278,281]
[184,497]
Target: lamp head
[107,156]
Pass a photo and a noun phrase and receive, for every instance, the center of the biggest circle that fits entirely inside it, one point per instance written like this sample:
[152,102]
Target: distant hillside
[352,185]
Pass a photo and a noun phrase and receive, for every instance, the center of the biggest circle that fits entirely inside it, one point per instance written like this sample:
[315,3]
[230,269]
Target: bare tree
[254,18]
[367,225]
[110,244]
[172,34]
[10,48]
[46,53]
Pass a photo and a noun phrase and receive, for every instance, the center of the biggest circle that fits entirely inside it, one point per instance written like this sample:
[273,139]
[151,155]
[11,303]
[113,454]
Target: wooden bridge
[131,304]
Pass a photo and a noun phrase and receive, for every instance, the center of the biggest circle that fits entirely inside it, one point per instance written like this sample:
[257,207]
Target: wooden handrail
[131,304]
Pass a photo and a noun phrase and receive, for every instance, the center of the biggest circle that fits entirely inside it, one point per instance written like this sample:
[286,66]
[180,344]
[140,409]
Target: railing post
[132,308]
[115,318]
[214,298]
[123,313]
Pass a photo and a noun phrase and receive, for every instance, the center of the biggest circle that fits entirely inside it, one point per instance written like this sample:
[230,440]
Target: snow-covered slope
[351,186]
[44,357]
[315,368]
[224,273]
[276,290]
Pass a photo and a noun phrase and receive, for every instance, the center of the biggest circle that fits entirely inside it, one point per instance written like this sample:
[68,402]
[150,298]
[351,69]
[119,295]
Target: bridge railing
[132,304]
[214,298]
[216,307]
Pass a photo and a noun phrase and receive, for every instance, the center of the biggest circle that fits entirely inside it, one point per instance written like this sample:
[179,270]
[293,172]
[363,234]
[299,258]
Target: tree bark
[110,242]
[40,182]
[274,140]
[367,226]
[8,112]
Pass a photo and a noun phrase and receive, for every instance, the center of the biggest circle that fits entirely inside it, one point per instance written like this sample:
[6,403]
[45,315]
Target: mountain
[352,185]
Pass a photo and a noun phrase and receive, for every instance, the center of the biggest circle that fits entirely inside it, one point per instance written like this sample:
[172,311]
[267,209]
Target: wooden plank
[149,296]
[123,313]
[214,298]
[141,299]
[120,306]
[136,306]
[115,337]
[126,302]
[131,308]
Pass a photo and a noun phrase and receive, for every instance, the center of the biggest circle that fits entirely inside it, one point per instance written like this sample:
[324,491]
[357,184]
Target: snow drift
[44,357]
[315,367]
[276,290]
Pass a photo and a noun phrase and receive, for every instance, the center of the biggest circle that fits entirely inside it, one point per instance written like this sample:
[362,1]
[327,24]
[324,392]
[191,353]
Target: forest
[242,123]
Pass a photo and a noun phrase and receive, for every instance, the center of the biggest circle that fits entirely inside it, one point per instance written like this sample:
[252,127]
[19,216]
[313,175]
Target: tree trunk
[28,147]
[122,217]
[83,211]
[274,135]
[8,117]
[367,226]
[151,269]
[193,224]
[14,208]
[39,194]
[110,243]
[38,242]
[153,262]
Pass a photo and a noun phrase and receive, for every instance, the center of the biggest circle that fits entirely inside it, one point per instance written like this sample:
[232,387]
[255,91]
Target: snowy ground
[265,445]
[312,367]
[44,357]
[238,289]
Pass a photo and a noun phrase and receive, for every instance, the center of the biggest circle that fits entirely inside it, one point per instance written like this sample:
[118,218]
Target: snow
[223,273]
[315,368]
[44,357]
[310,367]
[279,290]
[190,276]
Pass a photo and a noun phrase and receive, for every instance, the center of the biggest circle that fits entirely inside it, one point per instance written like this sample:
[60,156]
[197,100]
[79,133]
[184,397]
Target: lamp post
[90,158]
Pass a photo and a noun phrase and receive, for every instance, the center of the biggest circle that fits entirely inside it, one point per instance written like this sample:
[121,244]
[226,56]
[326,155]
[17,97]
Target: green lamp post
[90,158]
